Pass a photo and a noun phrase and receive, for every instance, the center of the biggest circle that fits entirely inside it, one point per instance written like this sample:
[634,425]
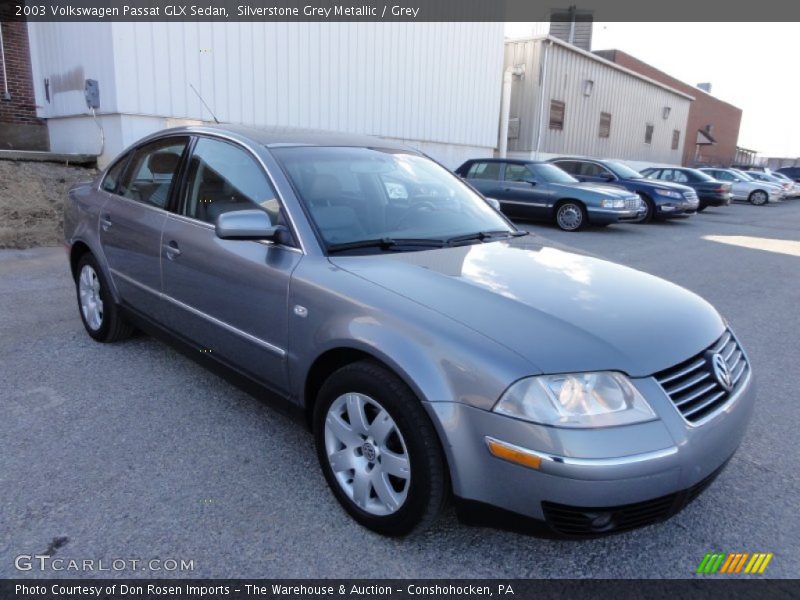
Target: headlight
[668,193]
[580,400]
[610,203]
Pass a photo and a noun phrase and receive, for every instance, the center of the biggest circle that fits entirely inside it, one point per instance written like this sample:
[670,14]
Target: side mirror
[607,177]
[531,181]
[493,202]
[247,225]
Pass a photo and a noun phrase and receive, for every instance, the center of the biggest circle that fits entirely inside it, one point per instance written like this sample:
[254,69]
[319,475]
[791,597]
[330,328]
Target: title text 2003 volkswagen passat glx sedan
[430,349]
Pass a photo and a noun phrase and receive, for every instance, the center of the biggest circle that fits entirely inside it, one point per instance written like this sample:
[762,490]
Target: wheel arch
[78,250]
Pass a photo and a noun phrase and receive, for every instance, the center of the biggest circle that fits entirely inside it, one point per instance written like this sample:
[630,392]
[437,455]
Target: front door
[132,218]
[228,296]
[523,195]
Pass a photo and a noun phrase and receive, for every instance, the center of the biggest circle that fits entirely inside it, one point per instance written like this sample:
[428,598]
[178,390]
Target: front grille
[584,521]
[632,203]
[693,386]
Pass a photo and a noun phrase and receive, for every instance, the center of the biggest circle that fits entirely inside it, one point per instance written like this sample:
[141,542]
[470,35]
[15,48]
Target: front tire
[571,216]
[378,450]
[99,313]
[650,210]
[758,198]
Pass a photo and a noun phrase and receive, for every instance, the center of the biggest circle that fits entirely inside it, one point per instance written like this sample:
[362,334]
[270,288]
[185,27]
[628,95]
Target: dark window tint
[652,173]
[648,134]
[593,170]
[518,173]
[557,115]
[112,176]
[485,170]
[676,139]
[570,166]
[605,125]
[222,178]
[152,169]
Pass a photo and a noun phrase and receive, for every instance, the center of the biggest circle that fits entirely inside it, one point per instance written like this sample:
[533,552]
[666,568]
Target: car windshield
[621,170]
[373,198]
[550,173]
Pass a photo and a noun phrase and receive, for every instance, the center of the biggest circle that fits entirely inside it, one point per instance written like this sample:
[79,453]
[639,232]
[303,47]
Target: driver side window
[223,178]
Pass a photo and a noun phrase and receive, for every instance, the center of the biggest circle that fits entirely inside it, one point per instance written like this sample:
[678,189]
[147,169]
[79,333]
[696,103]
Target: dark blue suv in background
[663,199]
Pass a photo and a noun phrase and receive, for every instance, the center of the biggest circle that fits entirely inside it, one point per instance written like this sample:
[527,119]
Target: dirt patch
[32,201]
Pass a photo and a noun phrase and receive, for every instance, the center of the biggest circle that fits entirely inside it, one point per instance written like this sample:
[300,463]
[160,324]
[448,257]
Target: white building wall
[435,85]
[632,101]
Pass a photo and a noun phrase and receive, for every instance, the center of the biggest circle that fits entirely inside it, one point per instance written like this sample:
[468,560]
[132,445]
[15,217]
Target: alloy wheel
[758,198]
[367,454]
[569,217]
[91,303]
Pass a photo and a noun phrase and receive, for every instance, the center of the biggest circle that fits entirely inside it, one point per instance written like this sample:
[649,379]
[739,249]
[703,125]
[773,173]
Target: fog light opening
[601,521]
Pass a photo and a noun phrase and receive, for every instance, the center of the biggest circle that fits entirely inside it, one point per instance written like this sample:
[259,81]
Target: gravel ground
[31,197]
[132,451]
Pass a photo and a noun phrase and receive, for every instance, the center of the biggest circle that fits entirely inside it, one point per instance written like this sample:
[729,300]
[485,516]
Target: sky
[750,65]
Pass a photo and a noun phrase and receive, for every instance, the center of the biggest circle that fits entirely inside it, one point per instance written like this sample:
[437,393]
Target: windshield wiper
[483,236]
[386,243]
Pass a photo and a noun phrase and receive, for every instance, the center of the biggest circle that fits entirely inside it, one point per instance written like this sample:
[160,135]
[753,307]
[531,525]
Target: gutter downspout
[6,95]
[505,108]
[541,99]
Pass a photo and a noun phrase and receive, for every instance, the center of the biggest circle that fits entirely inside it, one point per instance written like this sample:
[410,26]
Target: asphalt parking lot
[132,451]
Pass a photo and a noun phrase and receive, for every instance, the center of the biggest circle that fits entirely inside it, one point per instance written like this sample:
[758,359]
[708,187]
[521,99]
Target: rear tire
[570,215]
[355,407]
[100,315]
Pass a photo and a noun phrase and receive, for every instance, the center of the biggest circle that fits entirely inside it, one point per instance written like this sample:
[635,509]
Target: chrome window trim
[227,326]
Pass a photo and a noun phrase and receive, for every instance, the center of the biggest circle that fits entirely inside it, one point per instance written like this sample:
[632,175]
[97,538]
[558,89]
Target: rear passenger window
[224,178]
[484,170]
[151,171]
[113,174]
[518,173]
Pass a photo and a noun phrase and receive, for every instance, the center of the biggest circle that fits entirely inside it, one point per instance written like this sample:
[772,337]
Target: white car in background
[766,177]
[794,186]
[745,188]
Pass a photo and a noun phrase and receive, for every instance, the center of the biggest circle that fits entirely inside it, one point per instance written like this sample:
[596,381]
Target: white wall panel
[633,103]
[427,81]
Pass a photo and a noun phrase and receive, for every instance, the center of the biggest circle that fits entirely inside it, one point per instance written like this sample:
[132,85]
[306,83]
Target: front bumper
[676,208]
[585,470]
[611,215]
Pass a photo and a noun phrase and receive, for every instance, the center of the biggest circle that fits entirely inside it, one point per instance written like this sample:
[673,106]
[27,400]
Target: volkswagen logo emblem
[721,371]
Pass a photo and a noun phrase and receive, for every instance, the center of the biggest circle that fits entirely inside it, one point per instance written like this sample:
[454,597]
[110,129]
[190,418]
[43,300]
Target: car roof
[515,161]
[277,136]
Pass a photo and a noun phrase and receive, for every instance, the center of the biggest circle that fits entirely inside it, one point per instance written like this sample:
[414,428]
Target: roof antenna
[216,120]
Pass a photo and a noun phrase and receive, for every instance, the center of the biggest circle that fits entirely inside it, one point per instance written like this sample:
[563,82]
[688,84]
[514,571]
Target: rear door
[485,176]
[132,219]
[229,296]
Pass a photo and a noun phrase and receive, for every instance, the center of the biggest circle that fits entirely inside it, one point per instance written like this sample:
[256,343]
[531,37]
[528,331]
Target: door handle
[172,250]
[105,222]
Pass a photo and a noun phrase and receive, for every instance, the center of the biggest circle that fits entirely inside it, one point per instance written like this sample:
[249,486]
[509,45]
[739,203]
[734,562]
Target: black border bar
[400,10]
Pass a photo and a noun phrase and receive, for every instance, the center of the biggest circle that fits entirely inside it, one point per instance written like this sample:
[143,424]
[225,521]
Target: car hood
[559,310]
[606,189]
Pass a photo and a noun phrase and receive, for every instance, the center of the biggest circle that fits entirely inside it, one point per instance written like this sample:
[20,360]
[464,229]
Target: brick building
[713,125]
[20,128]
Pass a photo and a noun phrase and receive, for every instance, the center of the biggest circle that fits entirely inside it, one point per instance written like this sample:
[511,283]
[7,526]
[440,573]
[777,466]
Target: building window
[556,115]
[605,125]
[676,139]
[648,134]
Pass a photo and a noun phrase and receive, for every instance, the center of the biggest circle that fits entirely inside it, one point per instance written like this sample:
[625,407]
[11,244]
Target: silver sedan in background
[431,347]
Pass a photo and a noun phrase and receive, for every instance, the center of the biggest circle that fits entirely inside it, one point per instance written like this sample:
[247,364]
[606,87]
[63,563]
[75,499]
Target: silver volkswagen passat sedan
[432,349]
